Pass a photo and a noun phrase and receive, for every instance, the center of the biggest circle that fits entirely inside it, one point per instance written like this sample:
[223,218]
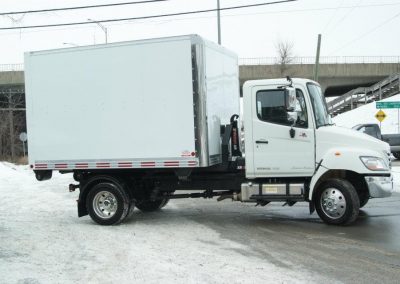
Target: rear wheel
[337,202]
[107,203]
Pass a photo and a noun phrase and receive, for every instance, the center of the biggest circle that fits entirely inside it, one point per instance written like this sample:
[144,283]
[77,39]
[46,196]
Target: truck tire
[107,203]
[337,202]
[150,206]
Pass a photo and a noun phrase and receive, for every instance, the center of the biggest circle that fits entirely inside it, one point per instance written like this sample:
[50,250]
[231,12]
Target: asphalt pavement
[367,251]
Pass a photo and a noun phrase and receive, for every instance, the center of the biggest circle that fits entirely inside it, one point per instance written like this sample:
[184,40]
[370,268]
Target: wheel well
[354,178]
[88,182]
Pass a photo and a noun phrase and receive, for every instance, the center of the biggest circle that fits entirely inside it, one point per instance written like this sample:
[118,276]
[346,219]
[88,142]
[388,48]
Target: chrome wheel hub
[105,204]
[333,203]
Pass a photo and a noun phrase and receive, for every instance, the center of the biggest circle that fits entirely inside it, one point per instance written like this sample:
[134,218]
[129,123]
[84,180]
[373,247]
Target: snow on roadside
[43,241]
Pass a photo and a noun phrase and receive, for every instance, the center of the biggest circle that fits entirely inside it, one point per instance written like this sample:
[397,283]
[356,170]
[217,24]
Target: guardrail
[363,95]
[11,67]
[322,60]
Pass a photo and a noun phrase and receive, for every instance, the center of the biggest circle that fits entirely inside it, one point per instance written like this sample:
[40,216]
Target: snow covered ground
[366,114]
[43,241]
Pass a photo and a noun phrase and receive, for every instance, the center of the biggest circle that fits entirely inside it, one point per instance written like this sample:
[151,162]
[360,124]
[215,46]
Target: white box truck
[135,122]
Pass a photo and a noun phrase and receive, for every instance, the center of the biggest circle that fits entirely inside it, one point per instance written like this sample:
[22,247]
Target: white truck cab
[302,142]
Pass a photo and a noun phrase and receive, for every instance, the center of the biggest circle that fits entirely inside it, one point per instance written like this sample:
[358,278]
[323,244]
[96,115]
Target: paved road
[367,251]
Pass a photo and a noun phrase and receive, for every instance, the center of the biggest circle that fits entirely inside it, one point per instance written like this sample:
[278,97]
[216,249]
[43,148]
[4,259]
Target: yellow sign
[380,115]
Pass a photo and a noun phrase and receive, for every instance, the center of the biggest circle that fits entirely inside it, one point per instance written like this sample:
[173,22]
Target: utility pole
[102,27]
[219,22]
[316,67]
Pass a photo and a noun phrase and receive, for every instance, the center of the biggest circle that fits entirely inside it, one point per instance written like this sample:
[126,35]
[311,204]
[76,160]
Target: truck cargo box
[140,104]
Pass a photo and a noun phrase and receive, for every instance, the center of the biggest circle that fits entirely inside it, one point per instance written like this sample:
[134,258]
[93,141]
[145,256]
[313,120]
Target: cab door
[275,152]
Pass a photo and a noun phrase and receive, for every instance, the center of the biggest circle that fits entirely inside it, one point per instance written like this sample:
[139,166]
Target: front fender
[343,159]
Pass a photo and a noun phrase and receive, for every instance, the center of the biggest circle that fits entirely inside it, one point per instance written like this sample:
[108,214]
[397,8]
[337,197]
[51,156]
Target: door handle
[261,142]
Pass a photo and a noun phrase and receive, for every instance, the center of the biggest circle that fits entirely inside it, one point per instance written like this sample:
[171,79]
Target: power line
[367,33]
[80,7]
[149,17]
[333,16]
[341,20]
[227,15]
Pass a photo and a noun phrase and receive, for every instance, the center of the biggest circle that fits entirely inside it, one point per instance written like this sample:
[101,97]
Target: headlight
[374,163]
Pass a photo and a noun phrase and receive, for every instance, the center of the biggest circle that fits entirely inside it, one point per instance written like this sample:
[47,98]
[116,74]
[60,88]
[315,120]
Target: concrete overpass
[337,75]
[11,77]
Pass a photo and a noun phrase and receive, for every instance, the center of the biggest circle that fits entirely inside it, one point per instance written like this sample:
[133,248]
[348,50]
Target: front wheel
[337,202]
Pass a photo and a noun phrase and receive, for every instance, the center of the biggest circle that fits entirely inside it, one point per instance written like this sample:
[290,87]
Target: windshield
[319,105]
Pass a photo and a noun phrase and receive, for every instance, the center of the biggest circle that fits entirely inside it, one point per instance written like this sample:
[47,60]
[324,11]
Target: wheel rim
[105,204]
[333,203]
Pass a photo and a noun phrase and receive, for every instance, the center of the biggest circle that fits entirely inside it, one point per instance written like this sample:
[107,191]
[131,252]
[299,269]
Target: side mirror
[290,99]
[292,117]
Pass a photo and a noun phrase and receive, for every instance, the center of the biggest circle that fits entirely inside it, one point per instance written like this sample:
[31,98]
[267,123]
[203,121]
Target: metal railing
[363,95]
[322,60]
[11,67]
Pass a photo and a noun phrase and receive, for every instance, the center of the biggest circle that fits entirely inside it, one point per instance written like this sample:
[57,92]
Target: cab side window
[271,108]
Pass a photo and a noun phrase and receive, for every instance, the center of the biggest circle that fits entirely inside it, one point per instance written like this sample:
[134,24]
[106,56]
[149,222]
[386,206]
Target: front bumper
[379,186]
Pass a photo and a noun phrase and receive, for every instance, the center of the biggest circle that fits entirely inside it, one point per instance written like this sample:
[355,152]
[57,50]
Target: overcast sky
[348,27]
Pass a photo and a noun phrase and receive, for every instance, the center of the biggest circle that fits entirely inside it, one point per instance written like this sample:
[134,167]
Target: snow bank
[366,114]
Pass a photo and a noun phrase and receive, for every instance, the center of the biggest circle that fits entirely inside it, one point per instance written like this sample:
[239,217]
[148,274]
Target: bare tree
[12,123]
[284,51]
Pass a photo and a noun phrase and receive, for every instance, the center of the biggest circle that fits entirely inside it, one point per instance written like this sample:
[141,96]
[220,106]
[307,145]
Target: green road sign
[380,105]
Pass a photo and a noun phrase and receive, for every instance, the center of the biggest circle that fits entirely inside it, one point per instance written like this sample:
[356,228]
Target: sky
[348,27]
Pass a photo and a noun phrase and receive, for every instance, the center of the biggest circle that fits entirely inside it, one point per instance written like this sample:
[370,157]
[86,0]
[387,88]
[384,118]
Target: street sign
[380,115]
[23,137]
[380,105]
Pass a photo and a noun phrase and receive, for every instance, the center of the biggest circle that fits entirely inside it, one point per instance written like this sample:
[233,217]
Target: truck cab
[289,136]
